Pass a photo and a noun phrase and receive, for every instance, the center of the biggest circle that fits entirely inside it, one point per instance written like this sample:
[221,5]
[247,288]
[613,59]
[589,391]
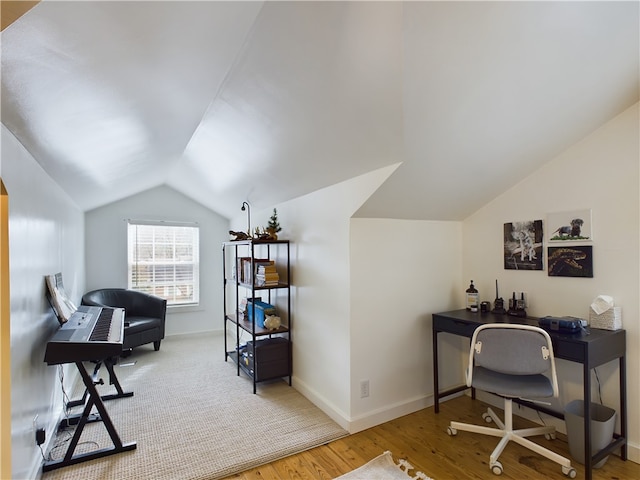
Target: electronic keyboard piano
[91,334]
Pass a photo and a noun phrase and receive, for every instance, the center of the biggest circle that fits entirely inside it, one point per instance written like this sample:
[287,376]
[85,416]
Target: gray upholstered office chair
[511,360]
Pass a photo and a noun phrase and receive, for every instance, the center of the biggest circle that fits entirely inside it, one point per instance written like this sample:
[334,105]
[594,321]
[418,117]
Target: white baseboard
[319,401]
[391,412]
[370,419]
[633,452]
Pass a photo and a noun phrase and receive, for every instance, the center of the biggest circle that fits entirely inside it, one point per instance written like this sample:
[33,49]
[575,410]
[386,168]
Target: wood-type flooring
[421,438]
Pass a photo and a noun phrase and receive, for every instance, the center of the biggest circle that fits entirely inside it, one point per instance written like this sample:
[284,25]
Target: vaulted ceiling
[266,101]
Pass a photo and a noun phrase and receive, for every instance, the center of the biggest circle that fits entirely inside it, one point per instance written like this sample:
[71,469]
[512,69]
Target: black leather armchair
[144,314]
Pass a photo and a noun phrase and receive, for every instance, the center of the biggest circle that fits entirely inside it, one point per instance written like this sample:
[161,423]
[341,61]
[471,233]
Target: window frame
[169,286]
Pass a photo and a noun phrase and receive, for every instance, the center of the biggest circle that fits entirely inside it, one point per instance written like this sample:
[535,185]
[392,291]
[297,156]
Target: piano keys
[91,333]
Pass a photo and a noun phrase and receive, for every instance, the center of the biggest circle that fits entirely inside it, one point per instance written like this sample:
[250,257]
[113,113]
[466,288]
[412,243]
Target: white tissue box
[608,320]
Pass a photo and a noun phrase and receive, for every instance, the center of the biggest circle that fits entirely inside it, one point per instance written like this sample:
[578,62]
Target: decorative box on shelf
[267,358]
[262,309]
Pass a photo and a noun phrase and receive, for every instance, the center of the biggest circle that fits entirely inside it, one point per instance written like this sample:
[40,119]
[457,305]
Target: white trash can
[603,422]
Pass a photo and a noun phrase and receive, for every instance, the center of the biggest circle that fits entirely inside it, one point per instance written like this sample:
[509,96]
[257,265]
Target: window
[164,260]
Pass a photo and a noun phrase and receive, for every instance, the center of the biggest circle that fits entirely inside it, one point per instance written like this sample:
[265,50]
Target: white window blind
[163,259]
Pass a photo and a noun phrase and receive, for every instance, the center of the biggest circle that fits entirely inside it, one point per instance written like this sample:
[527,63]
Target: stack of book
[266,274]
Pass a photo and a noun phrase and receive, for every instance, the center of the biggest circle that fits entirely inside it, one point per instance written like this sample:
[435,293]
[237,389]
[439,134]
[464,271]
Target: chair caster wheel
[487,418]
[550,436]
[452,431]
[569,472]
[496,468]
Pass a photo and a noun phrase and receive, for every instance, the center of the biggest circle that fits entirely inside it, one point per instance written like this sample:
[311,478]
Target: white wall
[402,271]
[600,173]
[345,316]
[46,235]
[318,225]
[106,251]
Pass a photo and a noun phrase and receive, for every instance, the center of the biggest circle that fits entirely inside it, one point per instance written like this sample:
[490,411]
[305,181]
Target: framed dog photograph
[523,245]
[572,226]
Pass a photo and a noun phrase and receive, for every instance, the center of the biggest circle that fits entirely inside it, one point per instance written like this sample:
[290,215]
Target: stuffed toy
[271,322]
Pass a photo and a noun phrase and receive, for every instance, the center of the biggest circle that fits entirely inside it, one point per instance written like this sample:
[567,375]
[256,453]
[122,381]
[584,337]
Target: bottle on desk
[472,298]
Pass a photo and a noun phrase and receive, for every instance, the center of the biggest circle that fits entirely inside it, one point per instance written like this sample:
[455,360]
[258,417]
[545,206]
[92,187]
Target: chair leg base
[506,434]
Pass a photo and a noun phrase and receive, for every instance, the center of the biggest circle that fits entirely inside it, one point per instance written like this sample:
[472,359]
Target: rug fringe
[405,466]
[403,463]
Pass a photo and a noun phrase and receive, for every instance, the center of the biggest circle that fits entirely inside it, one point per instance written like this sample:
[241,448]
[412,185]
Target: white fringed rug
[384,468]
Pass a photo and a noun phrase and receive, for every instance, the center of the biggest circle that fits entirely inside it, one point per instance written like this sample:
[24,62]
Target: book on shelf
[268,276]
[241,268]
[263,269]
[246,274]
[267,280]
[264,264]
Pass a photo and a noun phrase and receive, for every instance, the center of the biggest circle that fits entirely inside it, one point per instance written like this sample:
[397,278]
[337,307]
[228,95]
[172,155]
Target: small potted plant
[273,226]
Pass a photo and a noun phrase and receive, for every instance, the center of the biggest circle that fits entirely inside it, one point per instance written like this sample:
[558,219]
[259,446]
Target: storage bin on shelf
[262,310]
[267,358]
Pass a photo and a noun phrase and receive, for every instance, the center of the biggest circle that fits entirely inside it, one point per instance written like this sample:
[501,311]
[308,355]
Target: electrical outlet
[364,388]
[41,436]
[39,432]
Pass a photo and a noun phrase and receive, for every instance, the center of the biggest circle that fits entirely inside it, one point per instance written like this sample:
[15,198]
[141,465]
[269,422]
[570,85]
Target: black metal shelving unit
[267,354]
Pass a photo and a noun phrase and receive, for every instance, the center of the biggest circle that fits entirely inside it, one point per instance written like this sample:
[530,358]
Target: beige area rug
[384,468]
[193,418]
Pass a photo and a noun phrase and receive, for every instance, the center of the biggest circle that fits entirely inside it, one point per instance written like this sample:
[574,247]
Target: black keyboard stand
[93,398]
[113,380]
